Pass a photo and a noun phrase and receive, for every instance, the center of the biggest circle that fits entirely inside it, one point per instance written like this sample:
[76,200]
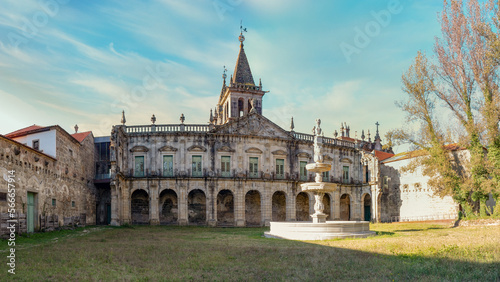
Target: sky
[83,62]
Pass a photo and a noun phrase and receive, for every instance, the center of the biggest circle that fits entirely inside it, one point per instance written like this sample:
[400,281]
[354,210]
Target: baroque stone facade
[240,170]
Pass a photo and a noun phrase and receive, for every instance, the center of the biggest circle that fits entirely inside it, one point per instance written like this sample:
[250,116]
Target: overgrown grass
[409,251]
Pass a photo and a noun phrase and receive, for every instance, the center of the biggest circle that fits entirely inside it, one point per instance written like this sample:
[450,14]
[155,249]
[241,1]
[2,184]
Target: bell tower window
[241,104]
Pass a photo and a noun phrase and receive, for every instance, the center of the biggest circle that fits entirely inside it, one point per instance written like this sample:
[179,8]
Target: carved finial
[292,126]
[335,134]
[153,119]
[211,117]
[182,118]
[224,75]
[363,135]
[123,118]
[369,139]
[76,128]
[377,136]
[260,84]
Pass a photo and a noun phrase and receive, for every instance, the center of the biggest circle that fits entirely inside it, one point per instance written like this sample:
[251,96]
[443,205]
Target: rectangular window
[254,167]
[225,166]
[53,202]
[73,204]
[345,174]
[3,197]
[303,171]
[280,168]
[139,166]
[196,167]
[367,174]
[326,176]
[168,165]
[36,145]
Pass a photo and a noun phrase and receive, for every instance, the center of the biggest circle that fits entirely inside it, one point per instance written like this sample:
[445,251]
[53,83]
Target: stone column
[115,220]
[154,214]
[336,204]
[267,205]
[239,206]
[182,205]
[290,206]
[125,204]
[211,194]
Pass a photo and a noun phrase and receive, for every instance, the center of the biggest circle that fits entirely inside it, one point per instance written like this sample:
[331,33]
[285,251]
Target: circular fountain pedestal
[319,231]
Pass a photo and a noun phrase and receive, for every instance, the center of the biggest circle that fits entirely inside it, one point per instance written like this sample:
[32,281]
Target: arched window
[241,104]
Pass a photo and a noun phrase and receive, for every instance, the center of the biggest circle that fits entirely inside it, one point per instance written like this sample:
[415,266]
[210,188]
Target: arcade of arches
[227,208]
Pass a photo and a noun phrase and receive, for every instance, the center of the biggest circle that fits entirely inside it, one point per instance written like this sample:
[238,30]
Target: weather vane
[241,27]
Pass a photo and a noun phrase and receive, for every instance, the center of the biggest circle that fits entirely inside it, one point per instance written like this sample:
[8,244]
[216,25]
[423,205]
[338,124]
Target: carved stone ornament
[139,149]
[167,148]
[197,148]
[346,160]
[253,150]
[279,152]
[303,155]
[225,149]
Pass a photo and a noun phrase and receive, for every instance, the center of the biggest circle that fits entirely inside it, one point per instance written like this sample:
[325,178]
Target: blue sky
[82,62]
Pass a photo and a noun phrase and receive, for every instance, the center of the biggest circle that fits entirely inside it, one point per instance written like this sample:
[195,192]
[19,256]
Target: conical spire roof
[242,73]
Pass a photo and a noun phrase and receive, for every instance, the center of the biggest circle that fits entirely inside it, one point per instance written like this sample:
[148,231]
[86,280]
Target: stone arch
[197,207]
[279,206]
[327,204]
[168,206]
[252,208]
[302,207]
[139,207]
[225,208]
[345,207]
[367,207]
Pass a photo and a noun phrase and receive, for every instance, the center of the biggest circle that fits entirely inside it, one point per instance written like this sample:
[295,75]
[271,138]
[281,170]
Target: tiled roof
[418,153]
[81,136]
[382,155]
[23,131]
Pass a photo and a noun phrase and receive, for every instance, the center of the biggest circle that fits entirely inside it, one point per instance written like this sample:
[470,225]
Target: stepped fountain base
[319,231]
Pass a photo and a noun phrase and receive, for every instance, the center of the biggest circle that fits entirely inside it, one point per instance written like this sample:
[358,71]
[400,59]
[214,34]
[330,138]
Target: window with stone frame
[36,144]
[54,202]
[303,171]
[3,197]
[280,168]
[345,174]
[168,165]
[254,167]
[139,166]
[197,170]
[326,176]
[225,166]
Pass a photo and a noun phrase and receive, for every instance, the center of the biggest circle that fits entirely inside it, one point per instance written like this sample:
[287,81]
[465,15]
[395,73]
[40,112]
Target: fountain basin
[319,231]
[321,187]
[318,167]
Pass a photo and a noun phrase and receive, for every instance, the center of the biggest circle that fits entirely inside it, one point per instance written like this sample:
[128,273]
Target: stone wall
[61,187]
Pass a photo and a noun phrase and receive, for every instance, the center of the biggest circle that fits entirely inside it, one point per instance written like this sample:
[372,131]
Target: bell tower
[241,96]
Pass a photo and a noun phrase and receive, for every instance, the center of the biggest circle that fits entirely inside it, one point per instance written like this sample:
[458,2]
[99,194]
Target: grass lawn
[401,251]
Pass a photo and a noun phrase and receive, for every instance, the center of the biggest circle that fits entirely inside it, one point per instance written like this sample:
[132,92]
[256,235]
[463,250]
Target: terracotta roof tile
[81,136]
[24,131]
[382,155]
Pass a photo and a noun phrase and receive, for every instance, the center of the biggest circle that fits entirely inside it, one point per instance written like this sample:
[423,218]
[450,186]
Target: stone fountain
[319,228]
